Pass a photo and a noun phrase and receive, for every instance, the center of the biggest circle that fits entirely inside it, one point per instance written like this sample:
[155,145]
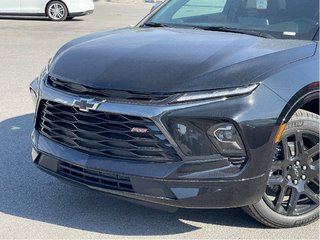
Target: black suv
[204,104]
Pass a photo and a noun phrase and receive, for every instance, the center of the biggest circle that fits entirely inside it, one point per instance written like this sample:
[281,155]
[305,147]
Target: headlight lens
[194,96]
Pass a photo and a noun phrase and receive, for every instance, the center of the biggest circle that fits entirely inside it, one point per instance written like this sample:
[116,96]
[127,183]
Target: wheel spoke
[275,181]
[279,199]
[315,164]
[299,144]
[313,172]
[315,181]
[312,152]
[293,200]
[277,165]
[286,151]
[311,195]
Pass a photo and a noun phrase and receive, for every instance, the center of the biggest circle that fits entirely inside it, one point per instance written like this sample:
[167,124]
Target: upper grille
[104,134]
[85,91]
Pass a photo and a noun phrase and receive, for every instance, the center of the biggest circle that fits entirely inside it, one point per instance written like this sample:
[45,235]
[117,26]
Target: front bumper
[204,182]
[153,191]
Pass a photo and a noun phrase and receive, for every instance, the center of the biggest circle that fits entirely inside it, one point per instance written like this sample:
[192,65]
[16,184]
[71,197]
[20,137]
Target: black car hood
[166,60]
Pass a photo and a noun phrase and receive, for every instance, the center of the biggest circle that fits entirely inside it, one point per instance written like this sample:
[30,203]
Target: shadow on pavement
[28,193]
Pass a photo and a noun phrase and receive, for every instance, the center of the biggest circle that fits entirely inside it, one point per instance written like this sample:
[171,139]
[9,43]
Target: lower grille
[95,177]
[104,134]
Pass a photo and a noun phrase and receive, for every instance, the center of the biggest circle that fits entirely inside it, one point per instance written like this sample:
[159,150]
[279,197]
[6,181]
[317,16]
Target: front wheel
[57,11]
[291,198]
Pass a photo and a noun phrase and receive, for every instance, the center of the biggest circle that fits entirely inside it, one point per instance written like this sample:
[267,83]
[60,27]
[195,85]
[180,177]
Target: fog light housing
[227,140]
[190,135]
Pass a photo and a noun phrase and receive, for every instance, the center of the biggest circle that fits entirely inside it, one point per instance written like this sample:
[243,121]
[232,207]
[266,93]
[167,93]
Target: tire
[291,198]
[70,18]
[57,11]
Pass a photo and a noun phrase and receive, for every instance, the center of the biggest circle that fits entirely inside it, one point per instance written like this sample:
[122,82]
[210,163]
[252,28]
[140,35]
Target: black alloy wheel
[292,193]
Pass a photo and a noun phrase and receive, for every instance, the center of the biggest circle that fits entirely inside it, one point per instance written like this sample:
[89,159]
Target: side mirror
[155,6]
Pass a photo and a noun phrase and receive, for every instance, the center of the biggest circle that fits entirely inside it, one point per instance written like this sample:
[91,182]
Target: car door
[9,6]
[33,6]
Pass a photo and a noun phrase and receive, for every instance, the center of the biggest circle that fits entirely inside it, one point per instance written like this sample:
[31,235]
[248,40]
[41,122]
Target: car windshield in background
[284,19]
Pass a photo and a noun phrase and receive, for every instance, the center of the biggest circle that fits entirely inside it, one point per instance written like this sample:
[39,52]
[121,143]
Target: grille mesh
[104,134]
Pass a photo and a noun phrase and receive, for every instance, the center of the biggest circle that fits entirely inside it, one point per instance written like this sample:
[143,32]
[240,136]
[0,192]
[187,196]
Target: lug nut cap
[297,163]
[303,177]
[295,182]
[304,167]
[288,177]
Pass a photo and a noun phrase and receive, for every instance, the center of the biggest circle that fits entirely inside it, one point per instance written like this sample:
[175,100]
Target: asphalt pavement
[34,205]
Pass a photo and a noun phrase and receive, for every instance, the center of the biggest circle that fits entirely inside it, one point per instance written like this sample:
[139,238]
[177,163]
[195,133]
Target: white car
[57,10]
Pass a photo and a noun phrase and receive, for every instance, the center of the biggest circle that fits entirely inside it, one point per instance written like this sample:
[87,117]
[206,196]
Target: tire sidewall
[285,221]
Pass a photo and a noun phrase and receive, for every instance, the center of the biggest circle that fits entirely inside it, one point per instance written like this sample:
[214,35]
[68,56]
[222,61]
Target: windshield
[284,19]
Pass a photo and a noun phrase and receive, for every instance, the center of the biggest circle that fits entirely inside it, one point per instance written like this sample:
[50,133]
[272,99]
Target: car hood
[166,60]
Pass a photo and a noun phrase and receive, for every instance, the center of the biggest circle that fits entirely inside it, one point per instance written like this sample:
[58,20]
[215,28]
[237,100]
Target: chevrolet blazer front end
[181,112]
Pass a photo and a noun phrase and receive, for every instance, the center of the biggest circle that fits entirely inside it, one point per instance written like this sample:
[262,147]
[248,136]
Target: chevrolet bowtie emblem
[85,105]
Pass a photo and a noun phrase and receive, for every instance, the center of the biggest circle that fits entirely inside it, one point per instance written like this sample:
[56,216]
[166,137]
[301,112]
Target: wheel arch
[312,106]
[307,99]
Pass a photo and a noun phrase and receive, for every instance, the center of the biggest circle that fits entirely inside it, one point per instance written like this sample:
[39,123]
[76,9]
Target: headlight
[230,92]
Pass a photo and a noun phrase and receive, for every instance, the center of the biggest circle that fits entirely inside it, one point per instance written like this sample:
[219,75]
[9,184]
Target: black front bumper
[82,170]
[196,181]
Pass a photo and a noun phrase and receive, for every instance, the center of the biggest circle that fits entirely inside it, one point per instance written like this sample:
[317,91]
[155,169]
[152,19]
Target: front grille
[104,134]
[87,92]
[94,177]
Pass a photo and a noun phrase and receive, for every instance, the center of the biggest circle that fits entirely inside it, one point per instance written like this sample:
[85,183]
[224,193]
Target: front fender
[296,79]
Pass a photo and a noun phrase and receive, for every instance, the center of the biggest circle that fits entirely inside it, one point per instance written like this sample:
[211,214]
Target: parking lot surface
[35,205]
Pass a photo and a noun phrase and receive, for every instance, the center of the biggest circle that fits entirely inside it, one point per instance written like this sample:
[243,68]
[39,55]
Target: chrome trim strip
[148,111]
